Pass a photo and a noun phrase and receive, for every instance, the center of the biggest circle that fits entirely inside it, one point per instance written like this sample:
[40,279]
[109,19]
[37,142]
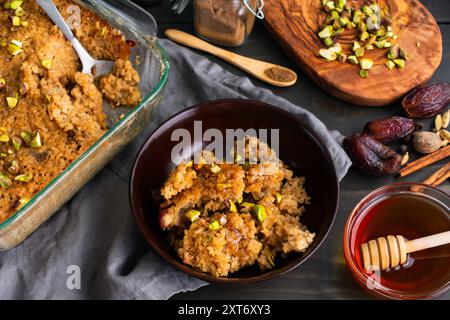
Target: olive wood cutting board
[295,23]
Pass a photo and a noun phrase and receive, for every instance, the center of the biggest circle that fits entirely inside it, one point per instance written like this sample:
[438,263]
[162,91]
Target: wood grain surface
[295,23]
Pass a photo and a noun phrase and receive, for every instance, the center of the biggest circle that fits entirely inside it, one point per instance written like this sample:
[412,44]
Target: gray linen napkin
[95,231]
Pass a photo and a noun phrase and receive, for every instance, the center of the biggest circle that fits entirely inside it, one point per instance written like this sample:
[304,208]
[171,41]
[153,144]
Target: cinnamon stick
[425,161]
[442,179]
[435,177]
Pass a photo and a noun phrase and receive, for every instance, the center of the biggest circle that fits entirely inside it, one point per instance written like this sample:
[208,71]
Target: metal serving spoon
[89,63]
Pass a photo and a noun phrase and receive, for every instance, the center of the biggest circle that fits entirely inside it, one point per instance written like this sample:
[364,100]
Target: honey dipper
[391,251]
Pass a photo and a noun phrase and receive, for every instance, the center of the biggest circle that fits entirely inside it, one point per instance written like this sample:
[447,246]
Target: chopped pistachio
[380,33]
[363,73]
[327,54]
[5,181]
[215,168]
[367,11]
[388,44]
[4,138]
[26,177]
[359,52]
[15,47]
[19,12]
[15,21]
[357,15]
[356,45]
[390,64]
[341,3]
[352,59]
[335,15]
[6,4]
[366,63]
[326,32]
[15,4]
[369,47]
[393,52]
[239,200]
[278,197]
[330,6]
[14,167]
[403,53]
[380,44]
[337,48]
[17,142]
[26,136]
[260,212]
[192,215]
[3,155]
[2,83]
[232,206]
[246,206]
[328,41]
[36,141]
[400,63]
[364,36]
[343,21]
[12,102]
[47,63]
[23,201]
[214,225]
[336,26]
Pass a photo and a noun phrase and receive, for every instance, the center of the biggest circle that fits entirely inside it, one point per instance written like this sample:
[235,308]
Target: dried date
[391,129]
[427,101]
[370,156]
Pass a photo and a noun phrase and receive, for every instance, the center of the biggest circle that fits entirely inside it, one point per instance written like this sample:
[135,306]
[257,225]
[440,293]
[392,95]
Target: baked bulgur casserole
[50,111]
[221,217]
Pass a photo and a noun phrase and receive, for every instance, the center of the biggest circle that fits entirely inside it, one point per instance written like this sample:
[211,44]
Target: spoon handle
[252,66]
[49,7]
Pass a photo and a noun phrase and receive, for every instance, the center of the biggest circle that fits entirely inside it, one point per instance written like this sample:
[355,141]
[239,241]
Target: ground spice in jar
[223,22]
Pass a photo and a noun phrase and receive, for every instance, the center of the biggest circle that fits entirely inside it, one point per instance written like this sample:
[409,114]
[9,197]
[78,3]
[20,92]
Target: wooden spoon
[391,251]
[271,73]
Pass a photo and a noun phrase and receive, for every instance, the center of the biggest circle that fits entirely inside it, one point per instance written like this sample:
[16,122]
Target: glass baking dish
[151,61]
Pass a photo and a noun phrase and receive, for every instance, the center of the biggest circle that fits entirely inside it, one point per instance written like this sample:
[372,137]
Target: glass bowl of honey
[412,210]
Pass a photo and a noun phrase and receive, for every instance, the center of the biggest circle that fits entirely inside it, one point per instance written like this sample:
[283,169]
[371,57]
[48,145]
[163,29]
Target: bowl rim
[360,278]
[225,280]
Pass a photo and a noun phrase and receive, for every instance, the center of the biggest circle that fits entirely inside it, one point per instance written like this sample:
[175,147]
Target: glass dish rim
[165,67]
[356,273]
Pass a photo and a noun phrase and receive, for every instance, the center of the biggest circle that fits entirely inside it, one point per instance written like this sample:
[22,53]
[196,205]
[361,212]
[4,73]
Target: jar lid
[259,6]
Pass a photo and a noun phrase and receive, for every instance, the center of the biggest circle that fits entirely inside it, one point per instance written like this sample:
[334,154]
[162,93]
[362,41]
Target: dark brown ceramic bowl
[299,149]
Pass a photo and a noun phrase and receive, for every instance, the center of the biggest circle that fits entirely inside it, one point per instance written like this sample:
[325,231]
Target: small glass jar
[226,22]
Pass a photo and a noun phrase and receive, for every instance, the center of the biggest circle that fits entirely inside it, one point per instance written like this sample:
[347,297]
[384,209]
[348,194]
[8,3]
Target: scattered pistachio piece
[364,36]
[2,83]
[19,12]
[193,215]
[15,4]
[239,200]
[26,177]
[24,23]
[352,59]
[393,52]
[15,47]
[5,181]
[17,142]
[260,212]
[246,206]
[14,167]
[215,168]
[47,63]
[380,44]
[26,136]
[326,32]
[12,102]
[327,54]
[403,53]
[359,52]
[366,63]
[279,197]
[4,138]
[400,63]
[328,41]
[390,64]
[214,225]
[15,21]
[36,142]
[23,201]
[363,73]
[232,206]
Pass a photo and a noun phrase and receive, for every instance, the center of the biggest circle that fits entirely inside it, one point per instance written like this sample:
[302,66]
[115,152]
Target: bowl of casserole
[52,151]
[234,222]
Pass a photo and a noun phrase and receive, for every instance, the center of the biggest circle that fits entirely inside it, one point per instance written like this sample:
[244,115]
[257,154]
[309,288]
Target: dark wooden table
[324,275]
